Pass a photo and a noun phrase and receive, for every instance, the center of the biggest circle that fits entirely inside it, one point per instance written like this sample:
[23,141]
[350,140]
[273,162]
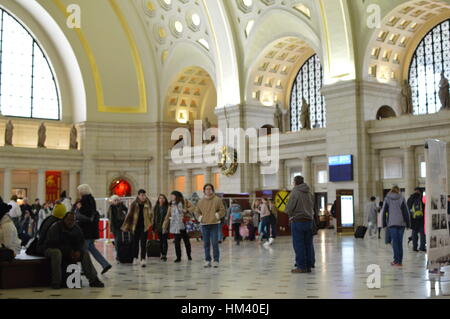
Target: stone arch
[384,112]
[392,46]
[271,77]
[191,96]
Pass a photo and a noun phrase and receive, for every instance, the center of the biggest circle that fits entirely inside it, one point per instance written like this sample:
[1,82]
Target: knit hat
[4,209]
[59,211]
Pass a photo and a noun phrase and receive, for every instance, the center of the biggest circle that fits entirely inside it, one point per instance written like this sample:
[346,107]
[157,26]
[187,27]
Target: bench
[25,272]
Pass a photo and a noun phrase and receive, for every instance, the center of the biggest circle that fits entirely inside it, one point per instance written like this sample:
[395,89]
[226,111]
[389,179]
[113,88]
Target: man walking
[300,209]
[417,212]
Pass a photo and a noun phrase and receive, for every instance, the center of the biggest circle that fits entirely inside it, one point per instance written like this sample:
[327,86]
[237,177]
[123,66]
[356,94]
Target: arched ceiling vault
[392,46]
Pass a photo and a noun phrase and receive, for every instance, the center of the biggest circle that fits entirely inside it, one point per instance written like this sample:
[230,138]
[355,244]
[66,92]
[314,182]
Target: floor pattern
[253,271]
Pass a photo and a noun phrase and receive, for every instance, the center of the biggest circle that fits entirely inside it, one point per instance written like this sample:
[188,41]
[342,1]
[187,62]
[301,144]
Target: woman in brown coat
[138,220]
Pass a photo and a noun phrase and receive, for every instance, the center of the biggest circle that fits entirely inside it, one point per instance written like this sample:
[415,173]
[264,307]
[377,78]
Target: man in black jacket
[417,213]
[64,246]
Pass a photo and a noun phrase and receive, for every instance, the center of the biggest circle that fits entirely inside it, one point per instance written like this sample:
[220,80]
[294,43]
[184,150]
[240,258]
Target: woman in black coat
[159,213]
[88,219]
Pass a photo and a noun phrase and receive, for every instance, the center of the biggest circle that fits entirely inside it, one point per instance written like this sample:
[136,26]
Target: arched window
[308,84]
[432,56]
[27,84]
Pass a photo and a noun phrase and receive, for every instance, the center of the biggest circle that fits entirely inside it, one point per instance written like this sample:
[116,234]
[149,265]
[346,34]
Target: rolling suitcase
[360,232]
[125,249]
[153,248]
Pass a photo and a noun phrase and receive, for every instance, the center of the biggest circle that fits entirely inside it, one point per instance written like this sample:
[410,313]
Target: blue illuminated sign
[340,160]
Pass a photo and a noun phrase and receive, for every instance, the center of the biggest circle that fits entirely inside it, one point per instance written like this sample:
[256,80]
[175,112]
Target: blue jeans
[220,232]
[210,234]
[90,246]
[302,240]
[387,238]
[265,227]
[397,242]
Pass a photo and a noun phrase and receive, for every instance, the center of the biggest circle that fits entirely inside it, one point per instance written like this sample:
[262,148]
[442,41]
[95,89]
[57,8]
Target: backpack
[6,254]
[417,210]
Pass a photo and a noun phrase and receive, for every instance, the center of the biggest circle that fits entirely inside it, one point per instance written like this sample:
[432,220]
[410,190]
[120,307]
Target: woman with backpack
[235,213]
[88,219]
[174,223]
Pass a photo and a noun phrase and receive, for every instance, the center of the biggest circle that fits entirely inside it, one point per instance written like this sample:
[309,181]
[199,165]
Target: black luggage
[153,248]
[360,232]
[251,232]
[125,249]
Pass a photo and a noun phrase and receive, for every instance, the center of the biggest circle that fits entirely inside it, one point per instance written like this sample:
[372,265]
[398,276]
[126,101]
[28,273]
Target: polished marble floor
[253,271]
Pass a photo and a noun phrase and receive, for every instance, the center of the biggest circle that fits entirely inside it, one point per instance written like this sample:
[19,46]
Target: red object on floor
[103,228]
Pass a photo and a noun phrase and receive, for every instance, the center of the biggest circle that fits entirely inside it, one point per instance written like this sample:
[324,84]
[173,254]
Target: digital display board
[340,168]
[347,212]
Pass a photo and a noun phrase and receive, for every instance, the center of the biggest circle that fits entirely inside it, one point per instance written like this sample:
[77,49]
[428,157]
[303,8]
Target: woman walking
[138,221]
[235,213]
[209,211]
[160,213]
[88,219]
[174,222]
[396,218]
[116,215]
[44,212]
[265,219]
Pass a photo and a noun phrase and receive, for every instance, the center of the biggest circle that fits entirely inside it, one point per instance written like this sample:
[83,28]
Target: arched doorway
[121,188]
[385,112]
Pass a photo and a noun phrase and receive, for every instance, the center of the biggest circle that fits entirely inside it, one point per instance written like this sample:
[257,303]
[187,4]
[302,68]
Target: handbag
[6,254]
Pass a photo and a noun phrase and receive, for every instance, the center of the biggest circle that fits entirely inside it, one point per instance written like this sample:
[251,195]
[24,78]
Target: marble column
[306,171]
[377,189]
[73,193]
[208,175]
[281,176]
[410,172]
[171,183]
[188,183]
[7,184]
[41,186]
[256,177]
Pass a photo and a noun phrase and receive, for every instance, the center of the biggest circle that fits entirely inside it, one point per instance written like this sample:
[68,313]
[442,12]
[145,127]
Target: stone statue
[73,138]
[407,107]
[444,92]
[279,118]
[9,133]
[42,136]
[206,124]
[305,116]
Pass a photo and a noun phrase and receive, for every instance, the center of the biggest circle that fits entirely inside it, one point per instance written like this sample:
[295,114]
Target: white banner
[436,220]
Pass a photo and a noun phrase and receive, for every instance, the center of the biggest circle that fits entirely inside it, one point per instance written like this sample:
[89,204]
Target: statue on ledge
[444,92]
[279,118]
[407,106]
[9,133]
[42,136]
[73,138]
[305,116]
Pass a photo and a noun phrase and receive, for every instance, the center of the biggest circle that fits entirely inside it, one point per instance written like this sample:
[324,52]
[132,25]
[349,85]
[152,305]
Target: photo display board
[436,219]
